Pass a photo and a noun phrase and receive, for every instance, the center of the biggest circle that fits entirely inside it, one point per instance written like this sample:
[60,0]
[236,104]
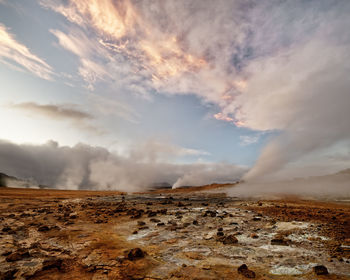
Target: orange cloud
[123,30]
[167,59]
[222,117]
[112,19]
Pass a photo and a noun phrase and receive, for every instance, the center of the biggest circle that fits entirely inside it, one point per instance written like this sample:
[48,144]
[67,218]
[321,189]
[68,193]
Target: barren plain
[193,233]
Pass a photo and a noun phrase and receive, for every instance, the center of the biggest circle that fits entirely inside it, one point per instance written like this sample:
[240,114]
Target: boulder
[320,270]
[229,239]
[134,254]
[243,270]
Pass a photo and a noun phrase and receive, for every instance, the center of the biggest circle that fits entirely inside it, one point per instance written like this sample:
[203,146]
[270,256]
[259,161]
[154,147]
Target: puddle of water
[305,237]
[140,235]
[291,225]
[278,248]
[287,270]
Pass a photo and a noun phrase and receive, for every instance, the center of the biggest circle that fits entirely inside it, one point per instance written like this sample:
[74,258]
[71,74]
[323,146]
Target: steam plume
[87,167]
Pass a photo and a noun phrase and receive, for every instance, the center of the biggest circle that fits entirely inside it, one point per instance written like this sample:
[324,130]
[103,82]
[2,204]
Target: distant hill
[13,182]
[4,178]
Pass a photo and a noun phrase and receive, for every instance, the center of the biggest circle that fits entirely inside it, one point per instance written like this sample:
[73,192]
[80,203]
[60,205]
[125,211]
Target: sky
[187,92]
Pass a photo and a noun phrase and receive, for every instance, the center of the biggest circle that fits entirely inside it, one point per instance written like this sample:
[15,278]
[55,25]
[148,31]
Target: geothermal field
[196,233]
[174,139]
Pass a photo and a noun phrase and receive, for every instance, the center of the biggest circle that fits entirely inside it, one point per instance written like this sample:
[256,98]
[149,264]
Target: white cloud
[19,56]
[248,140]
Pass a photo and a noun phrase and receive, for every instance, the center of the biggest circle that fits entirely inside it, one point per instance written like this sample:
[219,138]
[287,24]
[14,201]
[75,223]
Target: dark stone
[144,227]
[141,223]
[163,211]
[152,214]
[18,255]
[6,229]
[52,263]
[230,239]
[8,275]
[279,241]
[320,270]
[43,228]
[73,216]
[134,254]
[243,269]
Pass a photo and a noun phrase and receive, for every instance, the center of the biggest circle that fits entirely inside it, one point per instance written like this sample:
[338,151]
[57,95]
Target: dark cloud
[53,111]
[66,112]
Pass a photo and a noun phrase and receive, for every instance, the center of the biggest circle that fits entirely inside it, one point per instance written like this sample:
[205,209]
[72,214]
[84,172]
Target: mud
[181,235]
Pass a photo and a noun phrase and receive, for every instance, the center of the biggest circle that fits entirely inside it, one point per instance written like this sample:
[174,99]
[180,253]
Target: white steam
[328,187]
[87,167]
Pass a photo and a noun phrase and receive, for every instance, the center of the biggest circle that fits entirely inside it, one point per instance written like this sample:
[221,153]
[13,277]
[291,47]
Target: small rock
[162,211]
[279,241]
[18,255]
[52,263]
[243,269]
[134,254]
[43,228]
[6,229]
[8,275]
[230,239]
[73,215]
[254,235]
[141,223]
[143,228]
[320,270]
[152,214]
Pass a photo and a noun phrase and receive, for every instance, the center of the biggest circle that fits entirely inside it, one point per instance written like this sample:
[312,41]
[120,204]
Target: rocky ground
[182,235]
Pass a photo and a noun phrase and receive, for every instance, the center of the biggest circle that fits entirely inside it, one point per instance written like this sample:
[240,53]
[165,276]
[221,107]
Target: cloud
[20,57]
[272,66]
[67,112]
[84,166]
[248,140]
[107,106]
[124,37]
[161,151]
